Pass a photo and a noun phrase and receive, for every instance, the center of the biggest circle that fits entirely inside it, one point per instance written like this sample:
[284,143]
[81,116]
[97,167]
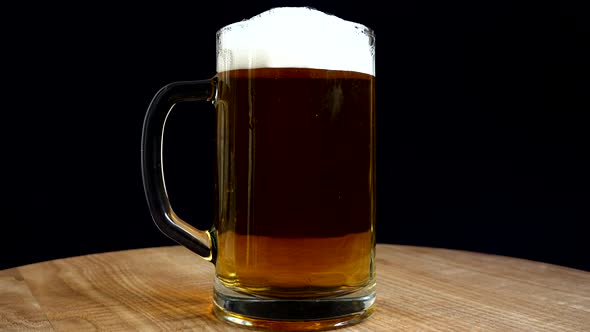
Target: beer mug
[293,239]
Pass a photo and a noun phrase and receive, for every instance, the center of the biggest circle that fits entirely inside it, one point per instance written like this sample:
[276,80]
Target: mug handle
[199,241]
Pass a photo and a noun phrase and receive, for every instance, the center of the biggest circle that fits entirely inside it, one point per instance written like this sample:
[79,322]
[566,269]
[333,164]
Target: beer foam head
[296,37]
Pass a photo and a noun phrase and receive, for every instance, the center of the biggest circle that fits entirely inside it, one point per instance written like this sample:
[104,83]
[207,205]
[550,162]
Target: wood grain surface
[170,289]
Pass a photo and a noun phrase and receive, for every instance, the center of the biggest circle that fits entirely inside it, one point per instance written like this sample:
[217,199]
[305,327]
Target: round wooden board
[418,289]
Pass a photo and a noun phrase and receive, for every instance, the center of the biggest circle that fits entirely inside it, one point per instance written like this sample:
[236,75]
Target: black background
[483,123]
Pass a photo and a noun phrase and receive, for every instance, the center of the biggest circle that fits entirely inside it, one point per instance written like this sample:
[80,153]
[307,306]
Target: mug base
[293,314]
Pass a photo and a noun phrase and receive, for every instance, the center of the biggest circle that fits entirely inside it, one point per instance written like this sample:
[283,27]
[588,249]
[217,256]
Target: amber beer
[296,191]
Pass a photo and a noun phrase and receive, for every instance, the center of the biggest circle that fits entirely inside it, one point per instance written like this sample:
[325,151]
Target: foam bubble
[296,37]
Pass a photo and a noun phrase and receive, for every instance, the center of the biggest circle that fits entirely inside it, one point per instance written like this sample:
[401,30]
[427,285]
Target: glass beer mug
[293,240]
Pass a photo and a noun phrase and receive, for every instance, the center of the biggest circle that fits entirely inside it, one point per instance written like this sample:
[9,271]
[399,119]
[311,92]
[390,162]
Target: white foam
[296,37]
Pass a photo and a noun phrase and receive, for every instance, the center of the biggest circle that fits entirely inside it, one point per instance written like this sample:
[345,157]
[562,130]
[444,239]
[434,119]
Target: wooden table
[419,289]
